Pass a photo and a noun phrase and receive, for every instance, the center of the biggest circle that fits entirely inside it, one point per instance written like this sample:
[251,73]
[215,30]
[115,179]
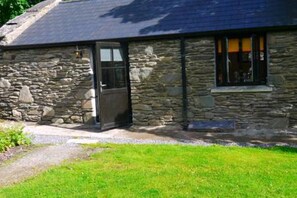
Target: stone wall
[283,72]
[157,95]
[46,85]
[52,85]
[200,59]
[256,108]
[155,74]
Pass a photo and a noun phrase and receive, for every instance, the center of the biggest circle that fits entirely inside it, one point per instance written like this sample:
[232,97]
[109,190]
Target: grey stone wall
[155,75]
[260,110]
[200,60]
[46,85]
[51,85]
[283,72]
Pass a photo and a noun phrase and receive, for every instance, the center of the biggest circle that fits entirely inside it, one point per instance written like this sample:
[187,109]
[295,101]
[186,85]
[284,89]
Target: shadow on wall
[200,14]
[156,83]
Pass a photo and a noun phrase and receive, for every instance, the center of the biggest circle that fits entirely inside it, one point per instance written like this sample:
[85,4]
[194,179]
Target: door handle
[102,85]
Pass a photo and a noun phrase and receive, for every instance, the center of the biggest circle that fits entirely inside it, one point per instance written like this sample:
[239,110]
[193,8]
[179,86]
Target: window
[113,68]
[241,60]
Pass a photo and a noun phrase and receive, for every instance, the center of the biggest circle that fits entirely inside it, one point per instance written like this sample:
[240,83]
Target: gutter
[184,84]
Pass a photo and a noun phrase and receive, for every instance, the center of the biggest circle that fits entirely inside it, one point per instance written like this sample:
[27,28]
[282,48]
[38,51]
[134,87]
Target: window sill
[243,89]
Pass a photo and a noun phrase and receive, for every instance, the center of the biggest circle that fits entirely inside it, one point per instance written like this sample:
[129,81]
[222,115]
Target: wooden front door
[112,85]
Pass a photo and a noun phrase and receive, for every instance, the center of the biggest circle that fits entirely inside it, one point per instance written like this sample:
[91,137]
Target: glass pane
[219,46]
[233,45]
[120,78]
[105,54]
[246,58]
[239,60]
[262,43]
[119,64]
[108,78]
[106,64]
[262,65]
[246,45]
[117,55]
[220,64]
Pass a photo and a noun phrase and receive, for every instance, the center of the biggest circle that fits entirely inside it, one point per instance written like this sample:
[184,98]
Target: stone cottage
[151,63]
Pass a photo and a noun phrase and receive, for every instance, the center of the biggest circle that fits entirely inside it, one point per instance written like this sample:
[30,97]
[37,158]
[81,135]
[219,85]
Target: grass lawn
[169,171]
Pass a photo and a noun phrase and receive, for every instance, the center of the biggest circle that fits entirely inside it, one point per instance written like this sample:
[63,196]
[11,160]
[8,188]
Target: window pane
[106,64]
[117,55]
[246,45]
[246,60]
[120,78]
[262,43]
[219,44]
[233,66]
[119,64]
[241,61]
[105,54]
[220,67]
[108,78]
[262,65]
[233,45]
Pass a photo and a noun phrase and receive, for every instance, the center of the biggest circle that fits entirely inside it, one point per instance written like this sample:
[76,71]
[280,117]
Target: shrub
[11,137]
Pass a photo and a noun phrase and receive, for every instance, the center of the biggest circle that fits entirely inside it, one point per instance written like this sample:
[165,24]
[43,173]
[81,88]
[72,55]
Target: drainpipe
[184,84]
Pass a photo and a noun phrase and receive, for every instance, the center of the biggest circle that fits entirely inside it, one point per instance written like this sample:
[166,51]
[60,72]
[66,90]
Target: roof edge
[154,37]
[14,27]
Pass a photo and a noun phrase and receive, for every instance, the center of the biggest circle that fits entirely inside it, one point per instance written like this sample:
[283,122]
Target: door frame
[98,79]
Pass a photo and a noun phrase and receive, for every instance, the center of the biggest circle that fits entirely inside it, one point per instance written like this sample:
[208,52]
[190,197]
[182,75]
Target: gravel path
[46,139]
[40,160]
[54,139]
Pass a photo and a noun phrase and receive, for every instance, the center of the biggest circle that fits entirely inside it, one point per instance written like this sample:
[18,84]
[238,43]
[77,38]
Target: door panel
[112,85]
[114,111]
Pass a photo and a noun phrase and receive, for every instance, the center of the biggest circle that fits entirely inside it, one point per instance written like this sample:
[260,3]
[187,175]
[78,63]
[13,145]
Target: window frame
[113,67]
[225,55]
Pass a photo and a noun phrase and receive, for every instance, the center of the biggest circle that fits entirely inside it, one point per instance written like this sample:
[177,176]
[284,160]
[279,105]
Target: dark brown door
[112,85]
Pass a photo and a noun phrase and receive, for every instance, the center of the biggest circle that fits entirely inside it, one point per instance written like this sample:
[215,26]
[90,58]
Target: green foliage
[169,171]
[12,8]
[11,137]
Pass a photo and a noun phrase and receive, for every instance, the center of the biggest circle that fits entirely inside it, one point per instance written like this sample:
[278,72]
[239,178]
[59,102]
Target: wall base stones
[46,85]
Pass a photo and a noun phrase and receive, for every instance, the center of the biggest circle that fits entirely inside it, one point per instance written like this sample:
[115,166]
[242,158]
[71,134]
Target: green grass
[169,171]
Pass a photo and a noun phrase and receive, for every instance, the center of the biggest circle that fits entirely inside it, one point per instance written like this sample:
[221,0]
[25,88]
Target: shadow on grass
[284,149]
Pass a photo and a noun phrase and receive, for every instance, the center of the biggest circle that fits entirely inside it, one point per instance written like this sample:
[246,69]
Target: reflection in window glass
[113,68]
[106,64]
[117,55]
[108,78]
[241,60]
[105,54]
[120,78]
[118,64]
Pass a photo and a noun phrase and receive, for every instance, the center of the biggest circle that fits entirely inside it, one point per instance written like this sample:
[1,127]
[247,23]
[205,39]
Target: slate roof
[89,20]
